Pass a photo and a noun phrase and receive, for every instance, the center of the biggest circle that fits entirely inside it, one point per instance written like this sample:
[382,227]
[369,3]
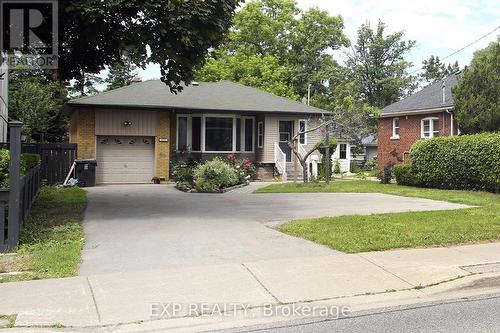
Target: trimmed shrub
[28,161]
[403,174]
[385,176]
[214,175]
[4,168]
[460,162]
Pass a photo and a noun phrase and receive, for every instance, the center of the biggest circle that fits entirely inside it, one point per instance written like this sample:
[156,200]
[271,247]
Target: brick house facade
[423,115]
[396,150]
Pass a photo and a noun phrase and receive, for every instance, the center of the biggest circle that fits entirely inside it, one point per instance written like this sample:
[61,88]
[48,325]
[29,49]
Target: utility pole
[308,94]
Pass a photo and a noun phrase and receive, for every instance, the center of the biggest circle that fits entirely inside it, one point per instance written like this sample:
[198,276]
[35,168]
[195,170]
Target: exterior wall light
[127,123]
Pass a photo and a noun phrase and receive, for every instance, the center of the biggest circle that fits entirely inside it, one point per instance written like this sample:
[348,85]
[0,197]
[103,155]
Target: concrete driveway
[146,227]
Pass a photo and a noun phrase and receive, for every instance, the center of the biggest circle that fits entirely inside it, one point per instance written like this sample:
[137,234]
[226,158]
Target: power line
[463,48]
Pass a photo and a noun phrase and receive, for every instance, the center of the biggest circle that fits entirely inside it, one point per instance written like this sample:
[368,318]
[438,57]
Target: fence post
[14,183]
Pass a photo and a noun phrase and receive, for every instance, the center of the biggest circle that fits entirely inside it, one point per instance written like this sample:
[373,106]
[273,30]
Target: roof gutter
[407,113]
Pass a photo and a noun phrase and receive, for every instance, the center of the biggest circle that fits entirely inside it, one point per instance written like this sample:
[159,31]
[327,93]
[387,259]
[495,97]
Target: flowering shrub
[243,167]
[214,175]
[181,172]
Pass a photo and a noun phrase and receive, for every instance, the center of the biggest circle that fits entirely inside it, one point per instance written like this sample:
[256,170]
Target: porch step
[290,171]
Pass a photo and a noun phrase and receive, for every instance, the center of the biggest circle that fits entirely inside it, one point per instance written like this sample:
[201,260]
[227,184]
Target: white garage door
[125,159]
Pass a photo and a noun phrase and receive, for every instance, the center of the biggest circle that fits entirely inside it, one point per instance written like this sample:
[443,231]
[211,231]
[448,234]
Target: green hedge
[459,162]
[28,161]
[403,174]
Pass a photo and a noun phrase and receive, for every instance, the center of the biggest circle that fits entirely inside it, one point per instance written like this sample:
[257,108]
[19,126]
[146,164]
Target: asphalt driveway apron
[149,227]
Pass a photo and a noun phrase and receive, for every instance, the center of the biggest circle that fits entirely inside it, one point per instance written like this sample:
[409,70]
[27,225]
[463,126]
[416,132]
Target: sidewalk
[113,299]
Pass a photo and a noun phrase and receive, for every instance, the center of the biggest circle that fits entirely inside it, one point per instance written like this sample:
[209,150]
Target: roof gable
[430,97]
[217,96]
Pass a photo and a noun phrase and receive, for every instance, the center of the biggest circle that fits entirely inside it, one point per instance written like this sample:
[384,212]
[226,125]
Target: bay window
[248,135]
[214,133]
[218,134]
[429,127]
[182,134]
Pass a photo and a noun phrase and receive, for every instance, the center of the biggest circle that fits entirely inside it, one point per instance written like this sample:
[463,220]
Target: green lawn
[358,233]
[51,239]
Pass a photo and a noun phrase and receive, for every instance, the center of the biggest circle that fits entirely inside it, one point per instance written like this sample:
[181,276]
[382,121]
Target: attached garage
[125,159]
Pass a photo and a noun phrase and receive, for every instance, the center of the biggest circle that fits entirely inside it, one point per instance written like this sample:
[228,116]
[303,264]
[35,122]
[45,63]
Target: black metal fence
[17,200]
[55,159]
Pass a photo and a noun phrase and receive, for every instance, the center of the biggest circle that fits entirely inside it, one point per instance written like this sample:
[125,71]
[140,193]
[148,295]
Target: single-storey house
[421,116]
[133,131]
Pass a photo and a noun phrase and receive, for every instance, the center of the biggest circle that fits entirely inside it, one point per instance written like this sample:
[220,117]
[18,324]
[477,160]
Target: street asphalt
[149,227]
[479,314]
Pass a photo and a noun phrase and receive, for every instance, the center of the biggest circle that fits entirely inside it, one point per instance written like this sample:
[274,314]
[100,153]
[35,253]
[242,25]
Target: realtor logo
[28,33]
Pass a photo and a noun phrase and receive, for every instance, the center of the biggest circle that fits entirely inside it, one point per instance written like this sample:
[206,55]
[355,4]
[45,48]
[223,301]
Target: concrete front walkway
[354,280]
[151,227]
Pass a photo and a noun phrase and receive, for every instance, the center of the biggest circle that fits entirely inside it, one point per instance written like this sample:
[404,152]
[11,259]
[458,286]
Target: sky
[439,27]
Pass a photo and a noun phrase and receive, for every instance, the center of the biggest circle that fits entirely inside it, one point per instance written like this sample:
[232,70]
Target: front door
[285,134]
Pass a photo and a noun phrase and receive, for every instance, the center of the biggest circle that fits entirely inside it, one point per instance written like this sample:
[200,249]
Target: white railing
[303,152]
[280,160]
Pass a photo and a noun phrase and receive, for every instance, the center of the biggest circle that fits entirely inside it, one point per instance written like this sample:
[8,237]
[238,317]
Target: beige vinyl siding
[271,134]
[110,122]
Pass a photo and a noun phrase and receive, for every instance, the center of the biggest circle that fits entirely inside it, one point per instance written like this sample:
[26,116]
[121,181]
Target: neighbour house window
[260,134]
[395,128]
[218,134]
[343,151]
[248,134]
[182,133]
[429,128]
[302,128]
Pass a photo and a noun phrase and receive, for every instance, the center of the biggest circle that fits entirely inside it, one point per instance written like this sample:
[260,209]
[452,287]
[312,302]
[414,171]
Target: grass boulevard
[377,232]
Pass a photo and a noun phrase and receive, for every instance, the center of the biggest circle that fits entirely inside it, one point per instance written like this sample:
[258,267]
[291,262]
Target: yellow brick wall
[162,148]
[82,132]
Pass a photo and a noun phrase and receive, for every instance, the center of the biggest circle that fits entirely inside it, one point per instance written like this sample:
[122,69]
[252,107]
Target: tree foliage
[120,74]
[435,70]
[377,63]
[176,35]
[37,100]
[477,98]
[259,71]
[280,36]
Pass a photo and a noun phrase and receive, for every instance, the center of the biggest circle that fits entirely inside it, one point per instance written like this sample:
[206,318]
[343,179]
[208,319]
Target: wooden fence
[55,159]
[17,200]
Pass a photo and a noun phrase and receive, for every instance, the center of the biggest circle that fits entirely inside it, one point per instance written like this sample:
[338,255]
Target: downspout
[447,110]
[451,121]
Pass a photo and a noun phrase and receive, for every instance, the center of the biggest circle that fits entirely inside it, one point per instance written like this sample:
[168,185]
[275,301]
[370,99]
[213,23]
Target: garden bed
[215,176]
[184,188]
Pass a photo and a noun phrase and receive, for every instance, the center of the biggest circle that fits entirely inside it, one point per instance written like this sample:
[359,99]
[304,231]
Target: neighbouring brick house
[134,131]
[423,115]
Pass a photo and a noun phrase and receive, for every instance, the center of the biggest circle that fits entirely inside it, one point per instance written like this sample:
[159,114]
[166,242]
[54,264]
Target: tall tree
[37,100]
[86,84]
[259,71]
[176,35]
[316,33]
[377,62]
[120,74]
[435,70]
[299,41]
[477,98]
